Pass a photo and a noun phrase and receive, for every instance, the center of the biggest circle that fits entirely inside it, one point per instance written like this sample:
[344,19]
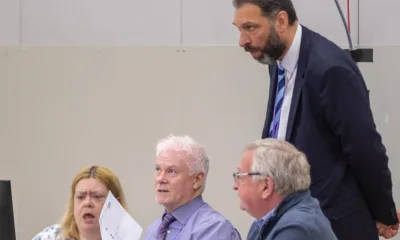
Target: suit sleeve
[345,106]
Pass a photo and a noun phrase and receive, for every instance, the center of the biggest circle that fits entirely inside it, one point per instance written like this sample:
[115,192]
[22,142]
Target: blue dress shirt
[261,221]
[194,221]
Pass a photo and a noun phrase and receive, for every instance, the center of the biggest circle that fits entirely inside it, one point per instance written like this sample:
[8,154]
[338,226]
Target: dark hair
[270,8]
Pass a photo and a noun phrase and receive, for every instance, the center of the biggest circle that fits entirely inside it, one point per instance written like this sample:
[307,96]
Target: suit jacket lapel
[302,65]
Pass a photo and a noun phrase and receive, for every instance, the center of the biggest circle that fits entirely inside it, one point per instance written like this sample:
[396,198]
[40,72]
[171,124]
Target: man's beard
[273,49]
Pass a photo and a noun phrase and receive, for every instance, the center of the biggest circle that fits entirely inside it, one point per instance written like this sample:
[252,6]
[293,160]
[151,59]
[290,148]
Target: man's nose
[160,177]
[243,40]
[235,186]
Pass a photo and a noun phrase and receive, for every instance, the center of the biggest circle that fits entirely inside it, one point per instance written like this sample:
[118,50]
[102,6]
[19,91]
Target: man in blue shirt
[180,175]
[273,181]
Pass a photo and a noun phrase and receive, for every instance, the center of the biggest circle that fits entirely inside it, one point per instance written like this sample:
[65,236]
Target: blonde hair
[69,228]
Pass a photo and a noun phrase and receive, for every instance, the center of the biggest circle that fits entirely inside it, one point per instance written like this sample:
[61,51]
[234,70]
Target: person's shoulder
[152,228]
[319,44]
[308,218]
[324,53]
[214,224]
[52,232]
[308,209]
[297,229]
[209,214]
[303,215]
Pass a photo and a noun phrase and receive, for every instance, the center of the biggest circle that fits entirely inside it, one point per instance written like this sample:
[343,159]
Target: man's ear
[281,21]
[268,186]
[198,181]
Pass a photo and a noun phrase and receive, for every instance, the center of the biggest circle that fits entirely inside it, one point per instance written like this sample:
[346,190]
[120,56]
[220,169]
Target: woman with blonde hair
[89,191]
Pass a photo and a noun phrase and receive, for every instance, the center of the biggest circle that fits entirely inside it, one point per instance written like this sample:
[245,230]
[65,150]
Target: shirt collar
[261,221]
[289,62]
[183,213]
[287,203]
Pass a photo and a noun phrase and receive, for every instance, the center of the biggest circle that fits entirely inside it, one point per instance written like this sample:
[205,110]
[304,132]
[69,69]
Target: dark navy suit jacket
[331,121]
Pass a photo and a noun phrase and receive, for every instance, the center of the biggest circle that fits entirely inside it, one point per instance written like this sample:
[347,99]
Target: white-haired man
[180,175]
[273,182]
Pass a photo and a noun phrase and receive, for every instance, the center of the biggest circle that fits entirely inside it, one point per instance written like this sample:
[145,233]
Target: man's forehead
[172,157]
[242,163]
[247,13]
[248,157]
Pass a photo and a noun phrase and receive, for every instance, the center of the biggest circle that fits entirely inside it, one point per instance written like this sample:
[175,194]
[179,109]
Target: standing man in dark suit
[318,101]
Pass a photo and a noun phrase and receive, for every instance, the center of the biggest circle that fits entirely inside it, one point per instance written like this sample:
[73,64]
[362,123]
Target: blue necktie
[163,228]
[273,130]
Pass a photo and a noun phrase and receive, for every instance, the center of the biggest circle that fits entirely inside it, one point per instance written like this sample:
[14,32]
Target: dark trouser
[357,225]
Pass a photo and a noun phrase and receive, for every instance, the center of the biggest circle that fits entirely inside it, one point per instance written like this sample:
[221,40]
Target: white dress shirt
[289,62]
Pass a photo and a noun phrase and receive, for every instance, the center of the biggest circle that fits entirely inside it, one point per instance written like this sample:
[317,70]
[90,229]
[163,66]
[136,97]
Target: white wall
[104,22]
[379,22]
[188,22]
[9,22]
[208,22]
[324,17]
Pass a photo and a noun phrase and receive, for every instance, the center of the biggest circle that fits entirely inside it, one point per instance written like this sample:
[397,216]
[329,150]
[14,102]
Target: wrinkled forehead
[248,14]
[172,158]
[90,185]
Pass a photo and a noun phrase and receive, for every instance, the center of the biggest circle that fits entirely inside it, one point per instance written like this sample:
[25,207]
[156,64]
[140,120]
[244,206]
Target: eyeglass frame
[240,174]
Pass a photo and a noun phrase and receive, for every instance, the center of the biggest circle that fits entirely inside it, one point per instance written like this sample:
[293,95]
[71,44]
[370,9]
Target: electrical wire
[348,15]
[346,26]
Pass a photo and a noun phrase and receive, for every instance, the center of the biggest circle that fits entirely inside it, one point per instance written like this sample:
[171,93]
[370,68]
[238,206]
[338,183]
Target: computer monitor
[7,227]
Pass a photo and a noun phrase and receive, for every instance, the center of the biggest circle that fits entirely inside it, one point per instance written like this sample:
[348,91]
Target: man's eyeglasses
[237,175]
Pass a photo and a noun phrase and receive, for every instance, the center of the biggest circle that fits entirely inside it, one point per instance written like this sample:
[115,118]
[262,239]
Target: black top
[7,227]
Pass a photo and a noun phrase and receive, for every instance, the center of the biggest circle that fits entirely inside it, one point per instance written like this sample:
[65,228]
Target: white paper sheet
[116,223]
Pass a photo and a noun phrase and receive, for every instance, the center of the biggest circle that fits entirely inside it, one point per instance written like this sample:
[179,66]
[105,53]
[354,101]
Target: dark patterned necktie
[163,228]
